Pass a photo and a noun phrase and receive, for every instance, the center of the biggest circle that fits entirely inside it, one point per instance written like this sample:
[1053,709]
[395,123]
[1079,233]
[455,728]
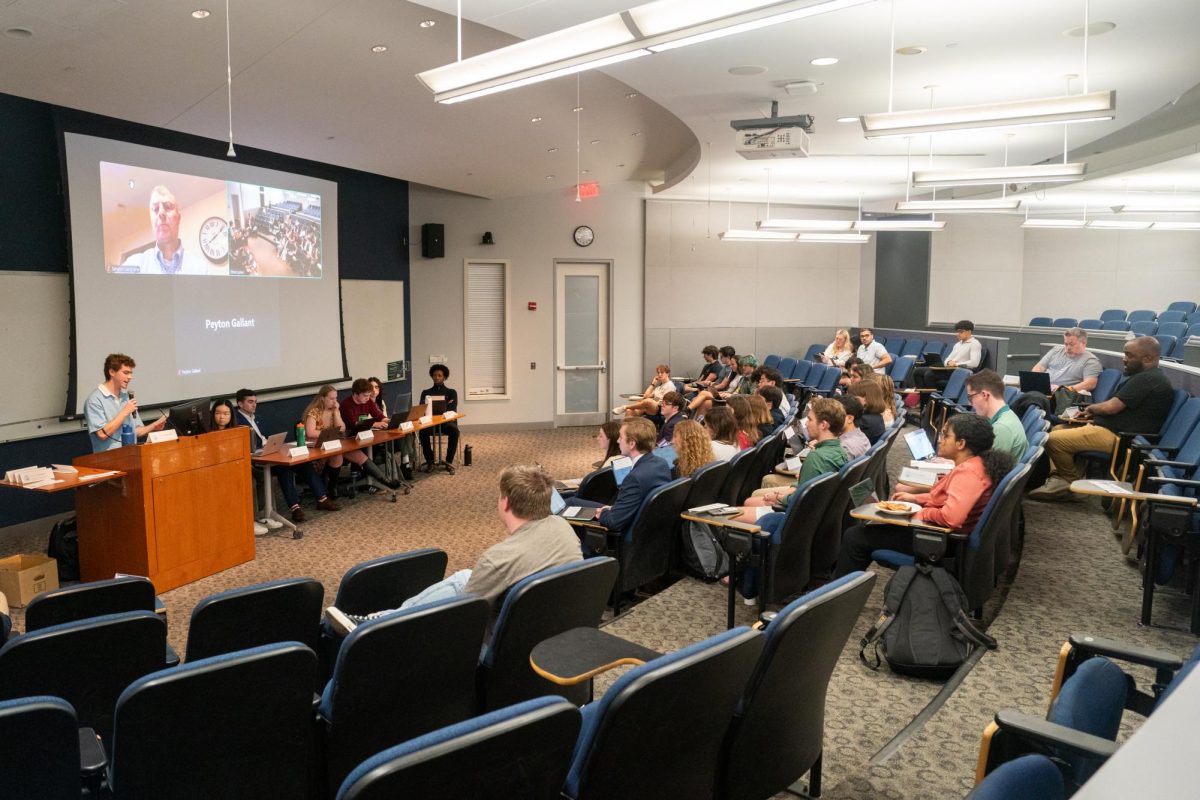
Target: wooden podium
[184,510]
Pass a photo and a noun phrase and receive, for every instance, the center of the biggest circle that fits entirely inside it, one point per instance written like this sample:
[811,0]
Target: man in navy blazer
[636,440]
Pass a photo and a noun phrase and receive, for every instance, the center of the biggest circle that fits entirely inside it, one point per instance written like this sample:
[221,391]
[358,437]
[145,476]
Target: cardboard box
[26,575]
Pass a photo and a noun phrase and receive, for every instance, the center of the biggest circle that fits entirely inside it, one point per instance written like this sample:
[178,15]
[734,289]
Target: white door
[581,342]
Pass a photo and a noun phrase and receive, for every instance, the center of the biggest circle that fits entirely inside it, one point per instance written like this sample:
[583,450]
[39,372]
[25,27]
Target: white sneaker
[750,601]
[260,529]
[619,410]
[1055,488]
[272,524]
[340,621]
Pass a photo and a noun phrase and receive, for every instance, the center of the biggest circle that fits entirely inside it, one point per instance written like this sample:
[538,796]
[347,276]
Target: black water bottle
[467,456]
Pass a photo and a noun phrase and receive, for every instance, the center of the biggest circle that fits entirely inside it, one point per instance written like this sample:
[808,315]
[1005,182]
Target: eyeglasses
[971,396]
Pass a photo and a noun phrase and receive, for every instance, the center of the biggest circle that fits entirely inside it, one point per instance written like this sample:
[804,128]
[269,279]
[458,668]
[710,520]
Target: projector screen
[212,275]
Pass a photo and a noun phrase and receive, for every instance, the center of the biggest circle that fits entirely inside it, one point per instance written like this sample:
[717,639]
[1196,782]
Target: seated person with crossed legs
[648,405]
[537,540]
[439,373]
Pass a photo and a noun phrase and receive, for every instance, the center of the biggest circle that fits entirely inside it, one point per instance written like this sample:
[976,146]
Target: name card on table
[364,436]
[450,414]
[336,444]
[425,420]
[297,452]
[162,436]
[406,426]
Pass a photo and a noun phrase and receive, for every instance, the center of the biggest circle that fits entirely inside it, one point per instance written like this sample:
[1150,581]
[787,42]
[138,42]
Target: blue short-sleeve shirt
[101,407]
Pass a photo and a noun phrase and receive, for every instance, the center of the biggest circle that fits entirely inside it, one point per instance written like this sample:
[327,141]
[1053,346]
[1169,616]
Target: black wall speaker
[433,240]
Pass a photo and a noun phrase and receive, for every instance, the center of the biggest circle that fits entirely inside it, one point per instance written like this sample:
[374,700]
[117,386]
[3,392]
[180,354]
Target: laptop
[273,444]
[864,492]
[621,467]
[396,419]
[353,428]
[437,402]
[919,445]
[666,453]
[327,435]
[795,438]
[1035,381]
[933,359]
[559,507]
[415,413]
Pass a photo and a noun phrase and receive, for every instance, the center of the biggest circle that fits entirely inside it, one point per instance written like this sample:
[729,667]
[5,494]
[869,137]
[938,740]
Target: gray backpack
[703,554]
[923,630]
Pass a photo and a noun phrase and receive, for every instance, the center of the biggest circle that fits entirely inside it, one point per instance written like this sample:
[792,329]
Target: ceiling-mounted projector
[773,136]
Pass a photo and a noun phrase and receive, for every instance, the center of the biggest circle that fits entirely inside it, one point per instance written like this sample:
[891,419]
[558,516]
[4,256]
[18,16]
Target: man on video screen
[168,256]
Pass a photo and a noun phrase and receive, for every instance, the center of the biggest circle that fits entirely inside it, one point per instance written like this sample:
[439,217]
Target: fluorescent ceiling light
[1044,111]
[899,225]
[653,27]
[953,206]
[834,238]
[1120,224]
[983,176]
[1162,225]
[1034,222]
[805,224]
[1136,209]
[734,235]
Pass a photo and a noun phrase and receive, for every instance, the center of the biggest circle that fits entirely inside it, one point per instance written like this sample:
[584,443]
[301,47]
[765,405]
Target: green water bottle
[300,434]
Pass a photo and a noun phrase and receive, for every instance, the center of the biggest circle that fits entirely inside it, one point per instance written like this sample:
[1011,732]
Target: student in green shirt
[823,423]
[985,390]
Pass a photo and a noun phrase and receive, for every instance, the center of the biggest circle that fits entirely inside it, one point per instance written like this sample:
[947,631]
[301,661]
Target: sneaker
[1055,488]
[272,524]
[750,601]
[328,505]
[342,622]
[619,410]
[260,529]
[298,515]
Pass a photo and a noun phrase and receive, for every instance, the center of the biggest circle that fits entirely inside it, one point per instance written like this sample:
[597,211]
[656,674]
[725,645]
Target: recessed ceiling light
[428,23]
[577,109]
[584,171]
[911,50]
[631,95]
[824,61]
[131,184]
[747,69]
[549,177]
[201,13]
[847,119]
[18,33]
[636,133]
[535,119]
[1095,29]
[552,150]
[379,48]
[595,141]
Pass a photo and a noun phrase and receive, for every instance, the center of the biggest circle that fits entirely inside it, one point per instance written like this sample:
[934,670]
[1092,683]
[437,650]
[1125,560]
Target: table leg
[269,511]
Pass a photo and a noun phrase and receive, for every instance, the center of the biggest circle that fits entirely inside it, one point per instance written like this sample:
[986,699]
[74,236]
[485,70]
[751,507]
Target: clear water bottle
[127,434]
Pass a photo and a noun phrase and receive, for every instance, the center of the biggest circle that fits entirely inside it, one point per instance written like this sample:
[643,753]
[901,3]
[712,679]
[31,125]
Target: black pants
[450,429]
[859,541]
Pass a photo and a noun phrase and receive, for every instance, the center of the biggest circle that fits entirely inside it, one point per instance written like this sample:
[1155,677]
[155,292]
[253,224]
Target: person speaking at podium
[439,373]
[111,411]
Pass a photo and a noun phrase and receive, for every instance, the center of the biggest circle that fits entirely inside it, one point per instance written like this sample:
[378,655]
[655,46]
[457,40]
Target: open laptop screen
[919,445]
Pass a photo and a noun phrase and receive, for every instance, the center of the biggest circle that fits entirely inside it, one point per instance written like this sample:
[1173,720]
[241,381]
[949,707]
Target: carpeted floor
[1072,578]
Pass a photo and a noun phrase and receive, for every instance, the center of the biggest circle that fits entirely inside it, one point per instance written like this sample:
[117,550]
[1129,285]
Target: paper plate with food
[897,508]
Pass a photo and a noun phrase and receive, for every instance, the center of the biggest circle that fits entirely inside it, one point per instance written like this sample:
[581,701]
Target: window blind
[487,328]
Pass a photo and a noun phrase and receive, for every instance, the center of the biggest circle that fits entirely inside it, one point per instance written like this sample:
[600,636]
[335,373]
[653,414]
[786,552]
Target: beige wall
[987,268]
[530,232]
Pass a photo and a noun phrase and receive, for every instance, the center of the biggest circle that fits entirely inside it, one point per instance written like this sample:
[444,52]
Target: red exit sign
[588,190]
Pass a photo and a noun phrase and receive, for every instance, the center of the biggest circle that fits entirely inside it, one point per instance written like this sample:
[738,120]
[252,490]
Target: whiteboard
[373,326]
[35,323]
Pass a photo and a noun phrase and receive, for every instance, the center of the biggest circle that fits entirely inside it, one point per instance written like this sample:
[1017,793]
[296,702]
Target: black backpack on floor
[702,553]
[923,630]
[64,548]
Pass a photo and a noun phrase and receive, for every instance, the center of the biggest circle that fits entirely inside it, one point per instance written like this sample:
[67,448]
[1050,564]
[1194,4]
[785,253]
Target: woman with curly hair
[693,448]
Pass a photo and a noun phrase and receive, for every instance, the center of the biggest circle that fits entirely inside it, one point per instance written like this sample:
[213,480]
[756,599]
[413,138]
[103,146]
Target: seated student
[871,421]
[693,448]
[732,383]
[247,414]
[356,413]
[888,387]
[660,384]
[671,408]
[847,370]
[1073,368]
[839,350]
[854,441]
[405,445]
[861,371]
[967,352]
[648,473]
[769,376]
[537,540]
[712,371]
[955,502]
[323,413]
[985,389]
[773,397]
[439,373]
[747,431]
[722,429]
[760,414]
[222,415]
[823,423]
[872,352]
[606,440]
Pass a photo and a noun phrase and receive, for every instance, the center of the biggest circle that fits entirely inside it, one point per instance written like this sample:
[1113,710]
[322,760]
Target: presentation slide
[212,275]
